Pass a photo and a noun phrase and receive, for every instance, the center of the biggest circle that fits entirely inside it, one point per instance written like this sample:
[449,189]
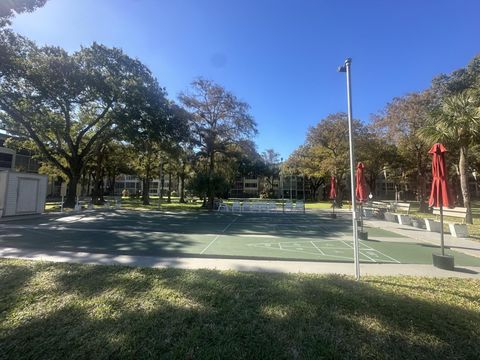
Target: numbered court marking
[338,249]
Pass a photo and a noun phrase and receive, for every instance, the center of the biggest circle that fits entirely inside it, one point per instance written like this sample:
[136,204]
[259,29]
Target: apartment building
[134,185]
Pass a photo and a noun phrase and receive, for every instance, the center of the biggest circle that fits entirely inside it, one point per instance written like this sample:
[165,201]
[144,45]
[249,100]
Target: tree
[271,160]
[186,157]
[153,126]
[330,140]
[219,119]
[66,104]
[401,123]
[454,118]
[457,122]
[8,8]
[309,161]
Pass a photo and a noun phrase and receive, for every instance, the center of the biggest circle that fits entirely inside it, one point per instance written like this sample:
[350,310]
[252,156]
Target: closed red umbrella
[361,189]
[361,186]
[439,196]
[333,191]
[333,194]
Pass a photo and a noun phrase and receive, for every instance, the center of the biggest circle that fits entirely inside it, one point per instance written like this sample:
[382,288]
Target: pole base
[363,235]
[445,262]
[333,216]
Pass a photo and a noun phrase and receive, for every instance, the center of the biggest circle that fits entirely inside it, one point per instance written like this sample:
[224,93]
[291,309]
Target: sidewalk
[463,245]
[238,264]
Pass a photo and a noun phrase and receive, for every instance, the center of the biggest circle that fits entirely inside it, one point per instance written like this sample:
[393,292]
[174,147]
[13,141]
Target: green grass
[155,204]
[319,205]
[58,311]
[136,204]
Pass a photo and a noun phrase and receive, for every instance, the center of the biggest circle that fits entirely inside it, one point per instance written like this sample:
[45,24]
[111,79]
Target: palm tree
[457,122]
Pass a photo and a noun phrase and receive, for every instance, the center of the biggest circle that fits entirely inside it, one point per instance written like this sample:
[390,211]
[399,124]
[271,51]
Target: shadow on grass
[116,312]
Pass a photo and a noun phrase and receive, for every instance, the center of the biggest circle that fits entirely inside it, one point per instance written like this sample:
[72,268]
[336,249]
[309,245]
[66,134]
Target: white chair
[272,206]
[264,207]
[236,207]
[299,206]
[223,207]
[288,205]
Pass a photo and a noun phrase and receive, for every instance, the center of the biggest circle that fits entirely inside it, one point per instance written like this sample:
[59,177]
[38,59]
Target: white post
[356,259]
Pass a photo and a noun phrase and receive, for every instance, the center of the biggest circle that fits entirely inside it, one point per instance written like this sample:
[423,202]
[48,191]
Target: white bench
[300,206]
[400,210]
[375,208]
[288,206]
[457,230]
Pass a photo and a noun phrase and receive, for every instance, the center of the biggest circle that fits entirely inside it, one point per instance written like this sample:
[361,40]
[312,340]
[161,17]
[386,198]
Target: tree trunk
[182,188]
[145,191]
[462,165]
[97,193]
[146,187]
[71,197]
[162,180]
[169,199]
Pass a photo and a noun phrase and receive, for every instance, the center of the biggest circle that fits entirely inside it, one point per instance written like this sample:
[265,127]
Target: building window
[6,160]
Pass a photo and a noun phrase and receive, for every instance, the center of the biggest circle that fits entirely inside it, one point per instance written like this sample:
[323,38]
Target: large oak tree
[219,119]
[65,104]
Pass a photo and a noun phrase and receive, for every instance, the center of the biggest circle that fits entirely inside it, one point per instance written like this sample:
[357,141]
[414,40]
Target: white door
[27,193]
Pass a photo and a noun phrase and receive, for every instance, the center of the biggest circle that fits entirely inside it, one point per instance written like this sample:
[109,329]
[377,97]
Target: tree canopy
[219,120]
[66,104]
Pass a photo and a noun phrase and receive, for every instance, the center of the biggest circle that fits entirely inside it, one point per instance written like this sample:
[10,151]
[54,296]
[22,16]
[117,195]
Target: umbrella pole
[441,229]
[361,215]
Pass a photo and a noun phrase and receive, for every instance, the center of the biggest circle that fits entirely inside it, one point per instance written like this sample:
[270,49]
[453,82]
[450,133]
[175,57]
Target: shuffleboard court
[292,236]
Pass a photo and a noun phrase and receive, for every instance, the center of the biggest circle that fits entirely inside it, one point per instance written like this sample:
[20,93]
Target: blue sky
[279,56]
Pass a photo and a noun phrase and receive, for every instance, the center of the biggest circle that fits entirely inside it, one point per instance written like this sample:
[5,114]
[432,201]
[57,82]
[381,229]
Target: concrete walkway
[463,245]
[238,264]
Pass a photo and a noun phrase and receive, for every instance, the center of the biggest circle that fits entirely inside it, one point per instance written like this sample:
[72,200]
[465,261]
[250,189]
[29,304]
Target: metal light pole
[346,69]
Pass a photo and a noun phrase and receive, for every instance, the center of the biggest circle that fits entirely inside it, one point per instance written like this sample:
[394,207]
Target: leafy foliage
[219,121]
[10,7]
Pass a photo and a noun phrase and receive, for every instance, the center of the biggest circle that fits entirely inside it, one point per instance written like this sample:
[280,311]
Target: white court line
[311,253]
[381,253]
[324,248]
[367,256]
[218,235]
[360,252]
[349,246]
[259,236]
[315,246]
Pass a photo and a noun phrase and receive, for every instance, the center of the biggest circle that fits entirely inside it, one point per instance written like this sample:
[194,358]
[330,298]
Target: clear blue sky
[280,56]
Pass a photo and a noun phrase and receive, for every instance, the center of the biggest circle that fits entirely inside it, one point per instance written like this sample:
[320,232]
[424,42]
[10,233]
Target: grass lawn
[136,204]
[59,311]
[319,205]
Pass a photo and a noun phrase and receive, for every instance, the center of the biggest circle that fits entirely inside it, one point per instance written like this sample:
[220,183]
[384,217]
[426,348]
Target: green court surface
[292,236]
